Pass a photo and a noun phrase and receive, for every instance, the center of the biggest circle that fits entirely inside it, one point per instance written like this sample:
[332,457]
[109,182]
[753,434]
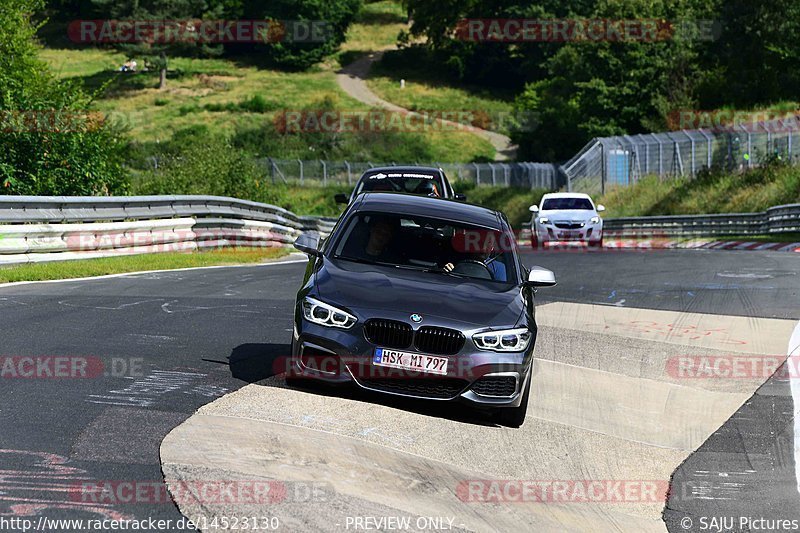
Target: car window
[404,182]
[428,244]
[552,204]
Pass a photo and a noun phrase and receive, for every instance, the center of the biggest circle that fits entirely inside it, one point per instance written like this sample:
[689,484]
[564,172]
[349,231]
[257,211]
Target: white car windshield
[555,204]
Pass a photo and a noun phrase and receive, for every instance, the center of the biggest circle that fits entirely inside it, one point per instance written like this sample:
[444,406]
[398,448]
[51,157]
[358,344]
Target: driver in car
[487,256]
[382,231]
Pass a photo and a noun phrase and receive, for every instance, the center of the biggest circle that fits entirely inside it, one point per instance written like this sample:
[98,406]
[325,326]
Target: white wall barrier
[63,228]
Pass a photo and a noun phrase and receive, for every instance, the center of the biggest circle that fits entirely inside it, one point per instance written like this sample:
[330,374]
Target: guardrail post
[324,172]
[300,161]
[349,177]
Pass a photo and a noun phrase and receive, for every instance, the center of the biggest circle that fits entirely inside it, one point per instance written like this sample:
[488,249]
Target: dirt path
[352,80]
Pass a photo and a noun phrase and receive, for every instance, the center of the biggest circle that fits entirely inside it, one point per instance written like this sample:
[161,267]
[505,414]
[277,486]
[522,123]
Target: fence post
[302,177]
[603,168]
[691,145]
[749,145]
[271,170]
[324,172]
[477,173]
[709,138]
[506,174]
[349,177]
[494,177]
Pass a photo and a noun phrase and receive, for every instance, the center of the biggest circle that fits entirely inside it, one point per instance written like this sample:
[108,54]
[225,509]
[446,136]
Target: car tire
[534,241]
[514,417]
[597,244]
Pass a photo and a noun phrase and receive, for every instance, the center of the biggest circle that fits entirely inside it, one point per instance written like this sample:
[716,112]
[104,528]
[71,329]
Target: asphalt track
[187,338]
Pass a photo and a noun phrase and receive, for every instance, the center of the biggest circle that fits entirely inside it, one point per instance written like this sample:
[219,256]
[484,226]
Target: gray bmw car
[419,297]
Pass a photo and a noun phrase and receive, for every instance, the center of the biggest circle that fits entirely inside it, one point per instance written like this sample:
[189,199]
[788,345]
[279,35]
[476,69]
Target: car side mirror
[460,197]
[534,209]
[341,198]
[600,208]
[308,243]
[540,277]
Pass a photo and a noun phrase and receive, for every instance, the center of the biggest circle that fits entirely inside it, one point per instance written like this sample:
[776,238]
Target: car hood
[568,214]
[370,289]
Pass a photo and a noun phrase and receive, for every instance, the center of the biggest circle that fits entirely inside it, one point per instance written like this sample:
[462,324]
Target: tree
[758,51]
[603,88]
[330,17]
[153,47]
[50,142]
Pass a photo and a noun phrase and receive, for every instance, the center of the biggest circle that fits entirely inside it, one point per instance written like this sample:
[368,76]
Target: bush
[50,143]
[337,16]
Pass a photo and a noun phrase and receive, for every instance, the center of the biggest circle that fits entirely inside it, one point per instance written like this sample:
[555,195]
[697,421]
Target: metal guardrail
[51,228]
[776,220]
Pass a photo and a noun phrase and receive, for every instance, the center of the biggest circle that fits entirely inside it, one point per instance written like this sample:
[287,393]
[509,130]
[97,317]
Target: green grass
[228,96]
[775,237]
[377,27]
[428,89]
[116,265]
[717,192]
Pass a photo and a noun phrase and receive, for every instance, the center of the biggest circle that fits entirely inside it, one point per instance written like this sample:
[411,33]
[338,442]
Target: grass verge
[84,268]
[754,190]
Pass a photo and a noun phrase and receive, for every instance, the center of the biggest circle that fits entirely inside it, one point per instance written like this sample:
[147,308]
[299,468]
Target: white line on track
[794,383]
[126,274]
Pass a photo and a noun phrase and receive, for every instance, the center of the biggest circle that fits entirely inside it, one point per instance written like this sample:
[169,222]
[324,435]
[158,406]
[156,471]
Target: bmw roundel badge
[416,318]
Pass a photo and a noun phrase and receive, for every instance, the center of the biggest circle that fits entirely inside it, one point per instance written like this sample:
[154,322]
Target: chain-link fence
[621,161]
[320,172]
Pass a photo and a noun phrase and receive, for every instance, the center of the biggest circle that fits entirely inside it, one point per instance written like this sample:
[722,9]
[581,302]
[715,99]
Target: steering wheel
[473,269]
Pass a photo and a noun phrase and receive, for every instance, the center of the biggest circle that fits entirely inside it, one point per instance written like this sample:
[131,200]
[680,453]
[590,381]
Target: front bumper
[477,377]
[552,233]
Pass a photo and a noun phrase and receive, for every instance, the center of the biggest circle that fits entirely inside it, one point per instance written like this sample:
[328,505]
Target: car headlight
[326,314]
[507,340]
[544,220]
[595,220]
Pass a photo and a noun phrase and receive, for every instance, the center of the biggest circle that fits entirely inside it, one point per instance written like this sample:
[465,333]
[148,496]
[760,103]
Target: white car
[567,217]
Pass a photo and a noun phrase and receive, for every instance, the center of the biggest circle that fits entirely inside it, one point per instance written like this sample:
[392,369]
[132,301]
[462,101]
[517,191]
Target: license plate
[410,361]
[570,234]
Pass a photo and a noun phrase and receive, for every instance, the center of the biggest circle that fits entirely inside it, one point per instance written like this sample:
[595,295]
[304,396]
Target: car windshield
[428,244]
[555,204]
[405,182]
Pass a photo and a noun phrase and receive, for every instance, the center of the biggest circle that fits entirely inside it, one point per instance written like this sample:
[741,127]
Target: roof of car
[412,168]
[407,204]
[566,195]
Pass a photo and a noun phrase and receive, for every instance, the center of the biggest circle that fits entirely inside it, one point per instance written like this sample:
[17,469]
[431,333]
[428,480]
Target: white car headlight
[326,314]
[544,220]
[595,220]
[507,340]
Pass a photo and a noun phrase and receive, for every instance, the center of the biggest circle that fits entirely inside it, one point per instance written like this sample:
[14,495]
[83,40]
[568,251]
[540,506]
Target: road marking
[794,383]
